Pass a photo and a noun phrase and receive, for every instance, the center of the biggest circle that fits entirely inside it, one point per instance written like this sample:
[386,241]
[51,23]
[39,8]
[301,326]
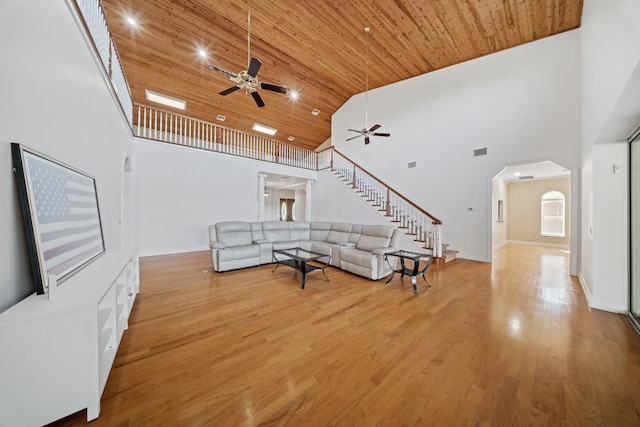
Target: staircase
[420,226]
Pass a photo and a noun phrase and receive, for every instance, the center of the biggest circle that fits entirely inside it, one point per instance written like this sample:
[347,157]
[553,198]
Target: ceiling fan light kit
[248,79]
[367,131]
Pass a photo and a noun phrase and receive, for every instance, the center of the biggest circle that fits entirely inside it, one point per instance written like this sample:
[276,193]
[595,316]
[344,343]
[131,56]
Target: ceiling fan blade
[220,70]
[354,137]
[374,127]
[274,88]
[354,130]
[230,90]
[366,140]
[257,98]
[382,134]
[254,66]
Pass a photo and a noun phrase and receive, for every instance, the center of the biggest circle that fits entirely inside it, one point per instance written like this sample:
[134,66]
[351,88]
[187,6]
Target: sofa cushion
[356,232]
[299,230]
[256,232]
[339,233]
[374,237]
[233,233]
[357,257]
[276,231]
[320,230]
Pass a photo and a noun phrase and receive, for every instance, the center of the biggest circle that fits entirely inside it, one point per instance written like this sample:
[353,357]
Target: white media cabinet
[56,355]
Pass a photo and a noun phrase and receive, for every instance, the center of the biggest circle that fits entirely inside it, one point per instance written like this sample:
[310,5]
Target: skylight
[169,101]
[264,129]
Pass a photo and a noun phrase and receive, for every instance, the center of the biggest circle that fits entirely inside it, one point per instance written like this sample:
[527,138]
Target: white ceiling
[539,170]
[280,182]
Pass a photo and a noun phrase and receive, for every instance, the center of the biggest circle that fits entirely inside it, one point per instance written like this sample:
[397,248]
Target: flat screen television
[61,215]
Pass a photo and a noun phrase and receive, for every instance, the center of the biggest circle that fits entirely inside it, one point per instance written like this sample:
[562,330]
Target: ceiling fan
[367,131]
[248,79]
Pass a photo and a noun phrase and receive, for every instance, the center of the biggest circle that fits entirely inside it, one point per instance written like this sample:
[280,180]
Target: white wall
[522,104]
[610,68]
[611,227]
[333,200]
[54,99]
[181,191]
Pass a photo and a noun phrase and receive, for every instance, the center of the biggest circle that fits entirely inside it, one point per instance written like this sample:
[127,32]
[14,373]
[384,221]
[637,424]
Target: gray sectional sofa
[356,248]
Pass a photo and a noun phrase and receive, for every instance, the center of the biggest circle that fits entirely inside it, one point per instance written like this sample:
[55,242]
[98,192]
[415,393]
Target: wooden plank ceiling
[318,48]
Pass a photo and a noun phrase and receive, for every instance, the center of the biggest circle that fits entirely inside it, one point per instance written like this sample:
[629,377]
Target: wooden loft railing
[416,222]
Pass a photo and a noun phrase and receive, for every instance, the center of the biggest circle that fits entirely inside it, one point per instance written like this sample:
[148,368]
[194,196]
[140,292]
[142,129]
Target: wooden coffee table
[302,260]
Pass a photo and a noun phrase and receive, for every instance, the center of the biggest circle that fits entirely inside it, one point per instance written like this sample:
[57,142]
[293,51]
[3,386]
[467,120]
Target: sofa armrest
[347,245]
[257,242]
[382,251]
[216,245]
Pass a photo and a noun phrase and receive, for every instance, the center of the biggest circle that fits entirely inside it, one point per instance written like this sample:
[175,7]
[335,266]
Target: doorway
[533,204]
[634,227]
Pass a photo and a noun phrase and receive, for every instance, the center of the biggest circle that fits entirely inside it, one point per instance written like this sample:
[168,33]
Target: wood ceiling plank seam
[344,72]
[525,27]
[499,18]
[474,30]
[404,64]
[427,45]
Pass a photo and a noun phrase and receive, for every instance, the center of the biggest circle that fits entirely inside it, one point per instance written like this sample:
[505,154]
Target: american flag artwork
[65,208]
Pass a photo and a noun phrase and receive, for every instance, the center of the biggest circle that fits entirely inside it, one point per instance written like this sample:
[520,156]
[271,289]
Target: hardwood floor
[508,343]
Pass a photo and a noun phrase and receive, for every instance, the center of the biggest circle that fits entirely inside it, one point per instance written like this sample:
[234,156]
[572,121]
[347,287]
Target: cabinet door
[51,367]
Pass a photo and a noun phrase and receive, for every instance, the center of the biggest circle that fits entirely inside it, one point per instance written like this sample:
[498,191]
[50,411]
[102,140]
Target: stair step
[449,255]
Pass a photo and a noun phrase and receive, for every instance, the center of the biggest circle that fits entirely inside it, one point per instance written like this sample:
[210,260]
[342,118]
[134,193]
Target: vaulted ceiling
[315,47]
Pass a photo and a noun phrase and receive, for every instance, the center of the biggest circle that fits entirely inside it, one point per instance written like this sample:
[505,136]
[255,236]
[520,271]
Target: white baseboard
[599,305]
[499,245]
[608,307]
[144,253]
[585,289]
[549,245]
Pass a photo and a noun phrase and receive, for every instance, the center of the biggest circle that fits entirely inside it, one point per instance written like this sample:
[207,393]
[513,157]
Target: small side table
[414,271]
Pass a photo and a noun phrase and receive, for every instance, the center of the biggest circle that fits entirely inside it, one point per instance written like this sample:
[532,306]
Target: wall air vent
[480,152]
[411,165]
[526,177]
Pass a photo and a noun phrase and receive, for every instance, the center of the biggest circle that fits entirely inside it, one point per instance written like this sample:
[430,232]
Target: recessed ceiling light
[221,117]
[264,129]
[202,53]
[131,21]
[169,101]
[315,112]
[291,138]
[294,94]
[516,173]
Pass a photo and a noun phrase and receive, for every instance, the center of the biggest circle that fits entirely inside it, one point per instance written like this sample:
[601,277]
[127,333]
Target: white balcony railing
[176,129]
[96,26]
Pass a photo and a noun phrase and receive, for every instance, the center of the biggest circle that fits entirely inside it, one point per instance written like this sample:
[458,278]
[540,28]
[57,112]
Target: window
[287,210]
[500,210]
[552,220]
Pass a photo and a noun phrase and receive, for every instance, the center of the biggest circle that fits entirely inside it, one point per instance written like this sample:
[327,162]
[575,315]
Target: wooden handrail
[418,208]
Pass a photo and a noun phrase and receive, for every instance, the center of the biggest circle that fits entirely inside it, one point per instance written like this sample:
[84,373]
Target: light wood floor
[508,343]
